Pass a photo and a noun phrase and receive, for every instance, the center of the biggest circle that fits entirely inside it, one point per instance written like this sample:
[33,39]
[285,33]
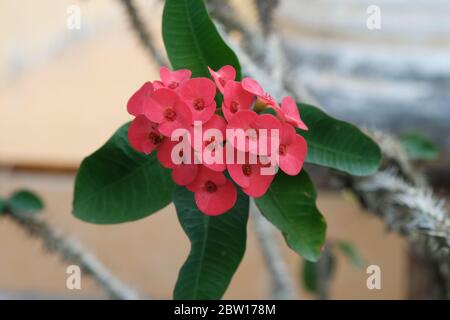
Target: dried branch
[401,197]
[72,252]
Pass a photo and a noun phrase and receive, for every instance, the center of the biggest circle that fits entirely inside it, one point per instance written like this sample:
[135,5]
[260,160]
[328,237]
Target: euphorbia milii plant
[211,142]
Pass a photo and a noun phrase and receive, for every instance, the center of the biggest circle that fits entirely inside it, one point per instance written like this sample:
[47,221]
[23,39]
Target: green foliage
[290,204]
[351,253]
[192,41]
[311,275]
[118,184]
[337,144]
[217,247]
[24,201]
[2,206]
[419,147]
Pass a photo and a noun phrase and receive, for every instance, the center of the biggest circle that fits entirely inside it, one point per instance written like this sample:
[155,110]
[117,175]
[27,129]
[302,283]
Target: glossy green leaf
[25,201]
[191,39]
[318,273]
[290,205]
[351,253]
[217,247]
[337,144]
[2,206]
[118,184]
[419,147]
[309,276]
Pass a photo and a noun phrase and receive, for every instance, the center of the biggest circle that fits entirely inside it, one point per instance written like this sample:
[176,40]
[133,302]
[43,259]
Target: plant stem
[281,282]
[72,252]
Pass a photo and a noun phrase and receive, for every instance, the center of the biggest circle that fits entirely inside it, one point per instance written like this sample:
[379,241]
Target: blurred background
[63,93]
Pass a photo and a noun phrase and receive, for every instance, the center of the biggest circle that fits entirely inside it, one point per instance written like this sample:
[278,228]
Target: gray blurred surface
[396,78]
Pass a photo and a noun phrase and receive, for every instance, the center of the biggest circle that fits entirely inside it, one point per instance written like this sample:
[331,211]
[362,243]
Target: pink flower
[292,151]
[165,153]
[183,173]
[172,79]
[252,150]
[165,108]
[291,114]
[214,194]
[250,177]
[222,76]
[135,104]
[211,144]
[255,141]
[235,99]
[199,94]
[143,135]
[255,88]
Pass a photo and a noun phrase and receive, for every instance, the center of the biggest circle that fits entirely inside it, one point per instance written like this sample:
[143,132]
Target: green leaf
[192,41]
[25,201]
[2,206]
[118,184]
[290,204]
[337,144]
[315,272]
[309,276]
[217,247]
[419,147]
[351,253]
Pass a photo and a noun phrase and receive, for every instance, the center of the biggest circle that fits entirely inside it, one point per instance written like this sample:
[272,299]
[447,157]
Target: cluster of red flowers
[178,101]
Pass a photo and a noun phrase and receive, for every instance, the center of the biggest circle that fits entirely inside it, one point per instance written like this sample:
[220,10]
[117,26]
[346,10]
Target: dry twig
[72,252]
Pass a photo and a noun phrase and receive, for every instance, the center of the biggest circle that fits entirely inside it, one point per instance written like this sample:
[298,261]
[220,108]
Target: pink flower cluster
[177,101]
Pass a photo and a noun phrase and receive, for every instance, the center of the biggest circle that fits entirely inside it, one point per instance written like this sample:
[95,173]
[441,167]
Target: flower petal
[259,183]
[184,174]
[218,202]
[173,79]
[236,99]
[135,105]
[292,162]
[222,76]
[143,135]
[158,102]
[253,87]
[291,113]
[237,174]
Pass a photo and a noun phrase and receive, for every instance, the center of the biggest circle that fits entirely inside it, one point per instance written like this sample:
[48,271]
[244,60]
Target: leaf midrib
[202,254]
[194,35]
